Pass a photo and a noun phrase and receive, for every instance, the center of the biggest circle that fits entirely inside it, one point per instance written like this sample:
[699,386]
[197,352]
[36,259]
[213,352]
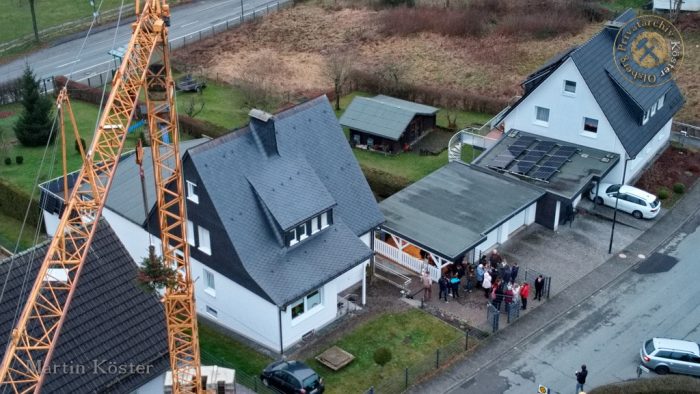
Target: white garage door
[516,222]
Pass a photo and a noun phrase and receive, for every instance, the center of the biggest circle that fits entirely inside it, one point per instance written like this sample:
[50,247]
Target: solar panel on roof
[499,163]
[533,156]
[522,167]
[516,150]
[544,173]
[524,141]
[554,161]
[565,151]
[543,146]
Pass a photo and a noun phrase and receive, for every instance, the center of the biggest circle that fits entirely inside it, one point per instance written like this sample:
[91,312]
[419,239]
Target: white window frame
[302,235]
[209,283]
[653,110]
[293,237]
[315,226]
[660,103]
[568,92]
[539,121]
[324,220]
[190,233]
[192,192]
[306,303]
[212,312]
[588,133]
[646,117]
[204,240]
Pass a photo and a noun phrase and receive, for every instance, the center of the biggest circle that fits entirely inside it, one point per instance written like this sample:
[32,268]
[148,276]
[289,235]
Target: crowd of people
[493,275]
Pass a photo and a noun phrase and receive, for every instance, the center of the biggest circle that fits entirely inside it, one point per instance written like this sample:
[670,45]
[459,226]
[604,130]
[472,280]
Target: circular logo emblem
[648,49]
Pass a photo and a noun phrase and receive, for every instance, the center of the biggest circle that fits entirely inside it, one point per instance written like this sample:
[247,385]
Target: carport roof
[451,210]
[572,178]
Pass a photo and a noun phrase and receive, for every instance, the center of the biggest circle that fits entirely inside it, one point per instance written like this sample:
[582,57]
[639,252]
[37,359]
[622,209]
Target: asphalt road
[657,298]
[186,21]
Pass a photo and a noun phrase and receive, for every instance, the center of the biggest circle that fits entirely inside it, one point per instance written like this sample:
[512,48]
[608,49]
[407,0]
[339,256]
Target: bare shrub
[258,82]
[539,23]
[404,21]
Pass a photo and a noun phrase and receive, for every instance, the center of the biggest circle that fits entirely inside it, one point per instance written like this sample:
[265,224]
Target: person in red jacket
[524,293]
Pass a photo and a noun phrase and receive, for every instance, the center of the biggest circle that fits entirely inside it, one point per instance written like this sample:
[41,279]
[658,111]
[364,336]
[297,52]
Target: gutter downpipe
[281,340]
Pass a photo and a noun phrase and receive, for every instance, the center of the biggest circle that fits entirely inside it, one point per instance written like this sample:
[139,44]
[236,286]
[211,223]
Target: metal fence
[102,73]
[413,374]
[531,276]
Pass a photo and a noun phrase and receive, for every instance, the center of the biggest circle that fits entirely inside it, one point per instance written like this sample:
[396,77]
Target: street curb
[512,336]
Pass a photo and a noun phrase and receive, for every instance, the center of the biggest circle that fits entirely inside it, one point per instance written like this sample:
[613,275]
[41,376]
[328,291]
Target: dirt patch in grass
[675,165]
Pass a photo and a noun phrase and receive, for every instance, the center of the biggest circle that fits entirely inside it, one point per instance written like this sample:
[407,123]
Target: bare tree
[392,71]
[258,81]
[194,105]
[338,70]
[451,116]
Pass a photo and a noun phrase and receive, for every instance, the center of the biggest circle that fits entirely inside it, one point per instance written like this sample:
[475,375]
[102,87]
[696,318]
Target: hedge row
[194,127]
[439,97]
[13,203]
[383,184]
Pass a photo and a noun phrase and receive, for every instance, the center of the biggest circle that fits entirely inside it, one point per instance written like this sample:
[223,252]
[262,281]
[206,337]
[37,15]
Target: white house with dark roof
[281,221]
[278,227]
[580,97]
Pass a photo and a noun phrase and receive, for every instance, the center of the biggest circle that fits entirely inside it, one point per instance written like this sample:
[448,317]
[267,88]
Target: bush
[14,202]
[79,91]
[405,21]
[197,127]
[382,356]
[8,161]
[19,159]
[383,184]
[678,188]
[663,193]
[77,147]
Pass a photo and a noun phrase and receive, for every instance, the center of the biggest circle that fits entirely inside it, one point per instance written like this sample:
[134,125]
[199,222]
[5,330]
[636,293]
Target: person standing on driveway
[514,272]
[455,285]
[524,293]
[444,284]
[479,274]
[581,378]
[539,286]
[427,285]
[486,284]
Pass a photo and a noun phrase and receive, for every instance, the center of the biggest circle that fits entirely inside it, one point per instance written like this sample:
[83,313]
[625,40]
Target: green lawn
[25,175]
[222,350]
[411,336]
[621,5]
[9,230]
[464,118]
[223,105]
[17,21]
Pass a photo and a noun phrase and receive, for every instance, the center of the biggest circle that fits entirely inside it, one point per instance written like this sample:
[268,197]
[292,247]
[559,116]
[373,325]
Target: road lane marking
[68,64]
[187,24]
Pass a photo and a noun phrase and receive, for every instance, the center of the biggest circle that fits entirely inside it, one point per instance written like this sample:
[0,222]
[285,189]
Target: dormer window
[306,229]
[192,192]
[660,103]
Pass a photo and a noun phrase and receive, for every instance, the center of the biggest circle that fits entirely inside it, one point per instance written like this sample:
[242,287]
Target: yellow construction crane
[146,65]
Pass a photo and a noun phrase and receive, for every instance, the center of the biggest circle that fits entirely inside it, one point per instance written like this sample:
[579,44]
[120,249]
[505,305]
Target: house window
[212,312]
[325,219]
[645,119]
[190,233]
[209,281]
[306,304]
[542,115]
[204,244]
[301,232]
[570,87]
[315,225]
[192,192]
[660,103]
[590,125]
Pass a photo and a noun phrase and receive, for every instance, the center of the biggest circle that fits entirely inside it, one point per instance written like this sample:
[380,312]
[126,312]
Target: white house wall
[294,329]
[502,233]
[237,308]
[634,167]
[134,238]
[51,221]
[531,212]
[687,5]
[566,112]
[154,386]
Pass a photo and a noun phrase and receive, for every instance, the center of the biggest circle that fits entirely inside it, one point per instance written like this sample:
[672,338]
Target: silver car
[671,355]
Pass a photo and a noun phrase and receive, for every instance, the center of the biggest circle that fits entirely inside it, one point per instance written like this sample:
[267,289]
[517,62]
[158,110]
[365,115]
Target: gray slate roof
[125,193]
[109,319]
[314,152]
[383,116]
[282,184]
[622,102]
[125,196]
[451,210]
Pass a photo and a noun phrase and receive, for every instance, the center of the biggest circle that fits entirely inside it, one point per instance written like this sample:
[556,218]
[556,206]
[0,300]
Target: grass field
[16,18]
[410,336]
[223,105]
[219,349]
[9,231]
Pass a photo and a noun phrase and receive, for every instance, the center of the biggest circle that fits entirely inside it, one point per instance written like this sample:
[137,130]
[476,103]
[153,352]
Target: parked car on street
[293,377]
[635,201]
[671,355]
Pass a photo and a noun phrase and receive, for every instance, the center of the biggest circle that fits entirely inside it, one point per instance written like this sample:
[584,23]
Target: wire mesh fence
[423,368]
[546,285]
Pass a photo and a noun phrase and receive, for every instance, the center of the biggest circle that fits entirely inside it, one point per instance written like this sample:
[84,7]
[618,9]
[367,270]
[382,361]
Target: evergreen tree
[154,275]
[33,128]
